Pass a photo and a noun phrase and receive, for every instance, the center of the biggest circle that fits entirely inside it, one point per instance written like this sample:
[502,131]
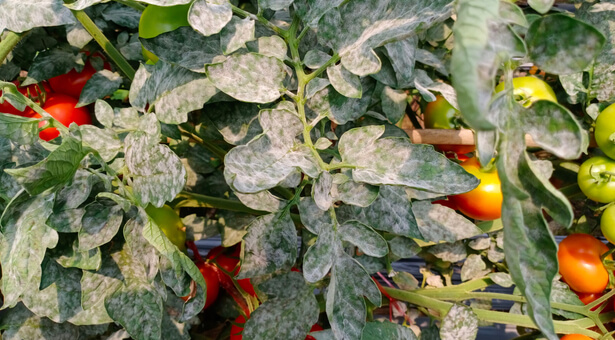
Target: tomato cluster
[59,97]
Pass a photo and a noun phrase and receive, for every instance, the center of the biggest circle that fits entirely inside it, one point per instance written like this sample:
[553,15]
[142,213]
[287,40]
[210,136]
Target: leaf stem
[334,59]
[9,42]
[106,45]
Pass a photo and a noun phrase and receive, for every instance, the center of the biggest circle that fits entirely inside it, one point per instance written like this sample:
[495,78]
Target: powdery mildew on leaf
[236,34]
[72,257]
[319,258]
[396,161]
[321,190]
[21,16]
[18,129]
[23,242]
[105,141]
[339,108]
[19,323]
[402,55]
[315,218]
[473,268]
[103,83]
[270,158]
[404,247]
[439,223]
[394,104]
[390,212]
[100,223]
[350,283]
[269,246]
[173,106]
[264,201]
[97,285]
[344,82]
[387,330]
[364,237]
[236,121]
[310,11]
[450,252]
[460,323]
[272,46]
[353,193]
[381,22]
[209,17]
[291,306]
[251,77]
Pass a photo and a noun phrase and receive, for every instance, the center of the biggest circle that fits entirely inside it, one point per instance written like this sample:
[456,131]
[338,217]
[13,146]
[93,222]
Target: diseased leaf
[321,190]
[312,10]
[103,83]
[18,129]
[263,200]
[20,323]
[138,308]
[439,223]
[236,34]
[396,161]
[364,237]
[387,330]
[351,192]
[473,268]
[105,141]
[339,108]
[101,222]
[210,16]
[20,16]
[252,77]
[541,6]
[394,104]
[459,323]
[344,82]
[563,45]
[275,5]
[402,54]
[269,246]
[236,121]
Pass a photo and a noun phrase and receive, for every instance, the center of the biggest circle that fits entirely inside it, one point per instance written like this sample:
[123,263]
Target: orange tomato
[485,201]
[580,264]
[575,337]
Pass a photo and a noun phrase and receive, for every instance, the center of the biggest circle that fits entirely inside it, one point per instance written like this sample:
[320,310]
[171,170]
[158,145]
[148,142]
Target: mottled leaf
[364,237]
[137,306]
[339,108]
[459,323]
[387,330]
[103,83]
[439,223]
[21,16]
[344,82]
[210,16]
[236,34]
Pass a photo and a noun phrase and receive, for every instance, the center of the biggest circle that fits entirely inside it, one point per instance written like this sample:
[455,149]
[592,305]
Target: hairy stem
[9,42]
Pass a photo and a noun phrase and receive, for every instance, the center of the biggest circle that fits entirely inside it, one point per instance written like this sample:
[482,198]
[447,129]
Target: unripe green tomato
[605,127]
[596,179]
[169,222]
[607,224]
[530,89]
[156,20]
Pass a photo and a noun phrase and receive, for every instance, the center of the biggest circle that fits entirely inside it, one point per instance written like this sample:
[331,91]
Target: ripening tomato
[605,128]
[156,20]
[211,281]
[588,298]
[485,201]
[580,264]
[62,108]
[575,337]
[446,203]
[170,223]
[229,261]
[33,91]
[315,328]
[440,114]
[596,179]
[529,90]
[73,82]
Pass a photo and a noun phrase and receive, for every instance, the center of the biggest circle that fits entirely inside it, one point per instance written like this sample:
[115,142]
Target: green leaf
[438,223]
[364,237]
[396,161]
[185,47]
[19,129]
[459,323]
[236,34]
[387,330]
[55,170]
[541,6]
[52,63]
[103,83]
[291,306]
[251,77]
[563,45]
[19,16]
[157,173]
[344,82]
[311,11]
[101,221]
[339,108]
[391,212]
[345,307]
[272,156]
[137,306]
[338,28]
[209,17]
[23,242]
[269,246]
[122,15]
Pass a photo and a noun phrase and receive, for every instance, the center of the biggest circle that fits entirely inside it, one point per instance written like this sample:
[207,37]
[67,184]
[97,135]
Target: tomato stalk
[9,42]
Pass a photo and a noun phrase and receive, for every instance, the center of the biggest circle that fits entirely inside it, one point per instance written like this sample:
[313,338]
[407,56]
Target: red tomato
[72,83]
[575,337]
[485,201]
[588,298]
[62,108]
[211,281]
[33,91]
[446,203]
[315,328]
[580,264]
[230,263]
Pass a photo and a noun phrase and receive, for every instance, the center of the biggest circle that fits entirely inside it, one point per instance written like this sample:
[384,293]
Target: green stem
[261,19]
[9,42]
[106,45]
[334,59]
[340,166]
[132,4]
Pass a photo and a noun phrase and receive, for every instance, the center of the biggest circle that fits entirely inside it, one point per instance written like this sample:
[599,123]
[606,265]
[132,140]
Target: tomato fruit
[62,108]
[529,90]
[315,328]
[580,264]
[211,281]
[596,178]
[588,298]
[440,114]
[230,263]
[156,20]
[446,203]
[605,127]
[169,222]
[607,223]
[73,82]
[485,201]
[33,91]
[575,337]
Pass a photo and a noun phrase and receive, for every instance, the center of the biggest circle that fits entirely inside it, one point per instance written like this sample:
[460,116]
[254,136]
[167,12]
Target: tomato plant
[62,108]
[605,128]
[596,179]
[440,114]
[170,223]
[580,264]
[229,261]
[33,91]
[528,90]
[156,20]
[73,82]
[485,201]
